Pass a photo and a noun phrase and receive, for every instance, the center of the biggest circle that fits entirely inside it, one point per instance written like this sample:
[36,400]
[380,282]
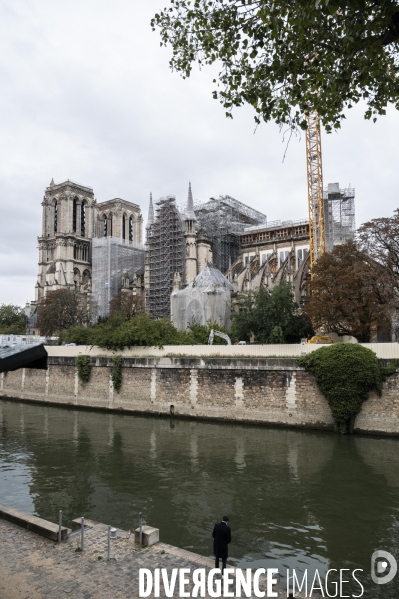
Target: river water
[296,499]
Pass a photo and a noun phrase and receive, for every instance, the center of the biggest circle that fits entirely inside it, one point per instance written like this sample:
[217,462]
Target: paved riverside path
[32,567]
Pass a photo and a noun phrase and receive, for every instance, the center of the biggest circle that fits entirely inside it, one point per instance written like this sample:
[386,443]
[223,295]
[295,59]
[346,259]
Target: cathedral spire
[150,212]
[52,183]
[190,205]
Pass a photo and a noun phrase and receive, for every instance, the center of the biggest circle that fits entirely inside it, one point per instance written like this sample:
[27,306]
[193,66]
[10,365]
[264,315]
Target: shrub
[79,335]
[83,367]
[345,373]
[116,372]
[116,333]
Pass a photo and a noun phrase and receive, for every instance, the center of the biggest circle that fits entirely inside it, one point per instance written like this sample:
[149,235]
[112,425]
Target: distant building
[180,243]
[174,252]
[272,254]
[72,218]
[279,250]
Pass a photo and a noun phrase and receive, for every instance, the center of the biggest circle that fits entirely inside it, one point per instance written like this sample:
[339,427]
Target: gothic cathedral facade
[71,219]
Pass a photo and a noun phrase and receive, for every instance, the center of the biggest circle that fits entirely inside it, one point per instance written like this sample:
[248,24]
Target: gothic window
[86,277]
[105,225]
[76,277]
[83,219]
[74,212]
[130,229]
[85,253]
[123,227]
[55,216]
[110,224]
[283,257]
[75,252]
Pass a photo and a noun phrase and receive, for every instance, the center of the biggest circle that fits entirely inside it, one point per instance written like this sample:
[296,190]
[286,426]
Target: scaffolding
[223,219]
[339,211]
[164,256]
[113,259]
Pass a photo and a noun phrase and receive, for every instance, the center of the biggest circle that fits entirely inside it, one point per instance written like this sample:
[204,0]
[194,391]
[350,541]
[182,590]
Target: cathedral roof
[211,276]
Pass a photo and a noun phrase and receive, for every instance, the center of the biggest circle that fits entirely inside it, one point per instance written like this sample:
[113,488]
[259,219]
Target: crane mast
[315,190]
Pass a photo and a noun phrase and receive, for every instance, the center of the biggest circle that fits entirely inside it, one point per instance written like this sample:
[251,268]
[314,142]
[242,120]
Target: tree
[12,320]
[199,333]
[350,293]
[289,57]
[62,309]
[379,238]
[127,304]
[271,316]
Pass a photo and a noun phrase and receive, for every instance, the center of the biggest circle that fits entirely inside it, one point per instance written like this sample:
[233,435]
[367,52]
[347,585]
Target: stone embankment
[274,391]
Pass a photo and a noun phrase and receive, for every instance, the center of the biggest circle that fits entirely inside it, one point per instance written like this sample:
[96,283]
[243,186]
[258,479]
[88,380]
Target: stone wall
[259,390]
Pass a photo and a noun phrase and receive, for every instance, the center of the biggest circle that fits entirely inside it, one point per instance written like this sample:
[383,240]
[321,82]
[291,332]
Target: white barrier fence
[383,350]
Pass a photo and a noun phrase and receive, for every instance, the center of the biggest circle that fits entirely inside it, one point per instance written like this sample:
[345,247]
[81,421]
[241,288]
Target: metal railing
[83,528]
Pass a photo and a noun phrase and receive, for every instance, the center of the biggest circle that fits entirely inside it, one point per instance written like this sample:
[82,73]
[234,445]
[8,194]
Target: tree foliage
[60,310]
[12,320]
[289,57]
[83,367]
[379,238]
[199,333]
[127,304]
[345,374]
[271,316]
[143,330]
[350,293]
[116,372]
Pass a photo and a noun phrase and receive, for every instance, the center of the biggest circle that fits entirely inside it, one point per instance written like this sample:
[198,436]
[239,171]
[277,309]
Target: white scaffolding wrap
[206,298]
[339,215]
[113,258]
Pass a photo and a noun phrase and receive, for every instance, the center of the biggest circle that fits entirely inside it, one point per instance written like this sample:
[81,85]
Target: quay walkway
[32,567]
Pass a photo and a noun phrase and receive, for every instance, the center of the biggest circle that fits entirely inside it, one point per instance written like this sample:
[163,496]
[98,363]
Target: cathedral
[193,255]
[72,218]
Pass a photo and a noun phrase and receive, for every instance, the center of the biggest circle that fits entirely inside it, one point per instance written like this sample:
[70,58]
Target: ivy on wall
[83,367]
[345,374]
[116,372]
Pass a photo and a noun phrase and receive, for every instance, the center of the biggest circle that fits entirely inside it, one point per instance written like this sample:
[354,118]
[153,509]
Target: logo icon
[380,560]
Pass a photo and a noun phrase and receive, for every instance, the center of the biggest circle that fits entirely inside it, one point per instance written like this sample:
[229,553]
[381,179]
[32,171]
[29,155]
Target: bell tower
[65,243]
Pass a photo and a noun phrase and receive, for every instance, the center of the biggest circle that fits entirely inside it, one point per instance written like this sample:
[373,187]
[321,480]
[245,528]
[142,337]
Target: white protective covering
[112,258]
[206,298]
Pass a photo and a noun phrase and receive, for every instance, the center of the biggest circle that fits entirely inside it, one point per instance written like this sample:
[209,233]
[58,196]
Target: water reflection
[295,499]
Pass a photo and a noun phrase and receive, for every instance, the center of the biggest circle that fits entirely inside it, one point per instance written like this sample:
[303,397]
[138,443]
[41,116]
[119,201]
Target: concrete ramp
[33,523]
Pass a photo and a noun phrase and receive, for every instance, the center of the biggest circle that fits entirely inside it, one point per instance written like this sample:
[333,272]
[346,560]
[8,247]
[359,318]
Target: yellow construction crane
[315,189]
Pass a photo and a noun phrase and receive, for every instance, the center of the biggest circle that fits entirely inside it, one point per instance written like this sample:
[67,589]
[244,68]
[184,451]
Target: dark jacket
[222,537]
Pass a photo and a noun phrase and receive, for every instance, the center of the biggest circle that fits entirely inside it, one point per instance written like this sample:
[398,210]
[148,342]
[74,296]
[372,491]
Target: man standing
[221,538]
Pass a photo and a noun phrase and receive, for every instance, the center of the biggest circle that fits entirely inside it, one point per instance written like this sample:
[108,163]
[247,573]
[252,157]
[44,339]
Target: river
[296,499]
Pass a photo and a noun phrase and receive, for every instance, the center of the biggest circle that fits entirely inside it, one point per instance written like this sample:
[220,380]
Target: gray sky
[86,94]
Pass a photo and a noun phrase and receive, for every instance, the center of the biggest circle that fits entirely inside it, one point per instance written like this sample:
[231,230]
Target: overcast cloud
[86,94]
